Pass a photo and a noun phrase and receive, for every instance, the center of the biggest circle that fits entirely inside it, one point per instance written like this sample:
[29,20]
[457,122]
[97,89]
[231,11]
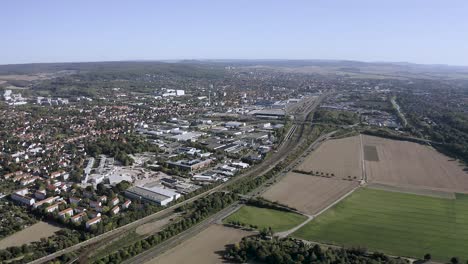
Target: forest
[120,148]
[263,249]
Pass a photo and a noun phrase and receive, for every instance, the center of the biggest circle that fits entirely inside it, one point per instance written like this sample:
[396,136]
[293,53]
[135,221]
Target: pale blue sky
[421,31]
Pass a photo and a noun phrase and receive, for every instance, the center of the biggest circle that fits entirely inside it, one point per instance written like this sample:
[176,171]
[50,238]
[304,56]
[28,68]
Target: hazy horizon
[421,32]
[232,60]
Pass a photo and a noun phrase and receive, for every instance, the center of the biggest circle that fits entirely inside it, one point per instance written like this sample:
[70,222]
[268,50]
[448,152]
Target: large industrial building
[156,194]
[190,165]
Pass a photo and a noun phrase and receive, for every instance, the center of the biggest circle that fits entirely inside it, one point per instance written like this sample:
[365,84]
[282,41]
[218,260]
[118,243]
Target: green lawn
[264,218]
[395,223]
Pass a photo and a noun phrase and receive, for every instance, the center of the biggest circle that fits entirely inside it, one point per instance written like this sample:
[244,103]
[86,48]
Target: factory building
[154,194]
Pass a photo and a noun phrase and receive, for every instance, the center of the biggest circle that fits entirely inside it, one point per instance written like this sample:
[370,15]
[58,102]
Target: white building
[234,124]
[23,199]
[93,221]
[159,195]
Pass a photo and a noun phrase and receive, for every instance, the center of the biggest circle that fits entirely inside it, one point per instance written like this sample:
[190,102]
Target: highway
[280,154]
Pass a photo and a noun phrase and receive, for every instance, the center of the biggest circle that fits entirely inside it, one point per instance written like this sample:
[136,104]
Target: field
[154,226]
[308,194]
[342,157]
[30,234]
[408,164]
[395,223]
[264,218]
[203,247]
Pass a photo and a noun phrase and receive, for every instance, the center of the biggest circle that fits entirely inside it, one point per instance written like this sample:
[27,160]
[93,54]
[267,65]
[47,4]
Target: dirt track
[202,248]
[408,164]
[308,194]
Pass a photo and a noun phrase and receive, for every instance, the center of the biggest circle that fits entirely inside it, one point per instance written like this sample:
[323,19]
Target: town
[89,163]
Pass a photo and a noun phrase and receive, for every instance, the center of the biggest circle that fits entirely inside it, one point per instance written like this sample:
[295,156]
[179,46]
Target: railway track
[292,141]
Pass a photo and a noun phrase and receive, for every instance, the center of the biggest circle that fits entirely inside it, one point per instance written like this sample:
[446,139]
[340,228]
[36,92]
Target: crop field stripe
[395,223]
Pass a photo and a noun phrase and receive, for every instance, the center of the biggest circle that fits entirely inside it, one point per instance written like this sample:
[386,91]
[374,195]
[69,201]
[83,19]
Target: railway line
[294,136]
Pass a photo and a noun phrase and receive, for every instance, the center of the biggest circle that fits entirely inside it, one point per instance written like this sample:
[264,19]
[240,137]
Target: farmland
[395,223]
[342,157]
[306,193]
[203,247]
[408,164]
[30,234]
[265,218]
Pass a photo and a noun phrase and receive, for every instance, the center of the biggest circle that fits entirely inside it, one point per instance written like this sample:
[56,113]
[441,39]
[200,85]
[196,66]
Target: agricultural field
[340,157]
[308,194]
[265,218]
[408,164]
[204,247]
[29,234]
[395,223]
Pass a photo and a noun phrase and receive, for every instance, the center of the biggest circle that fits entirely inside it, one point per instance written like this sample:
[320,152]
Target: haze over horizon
[425,32]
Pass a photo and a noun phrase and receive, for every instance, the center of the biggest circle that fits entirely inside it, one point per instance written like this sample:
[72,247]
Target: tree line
[262,249]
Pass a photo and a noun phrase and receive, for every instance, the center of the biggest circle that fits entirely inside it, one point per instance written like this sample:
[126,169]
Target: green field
[395,223]
[264,218]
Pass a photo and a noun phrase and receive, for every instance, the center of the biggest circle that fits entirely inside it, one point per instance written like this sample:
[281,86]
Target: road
[290,144]
[150,254]
[293,140]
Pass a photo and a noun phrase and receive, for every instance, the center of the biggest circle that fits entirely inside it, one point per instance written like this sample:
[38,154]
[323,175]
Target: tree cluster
[290,251]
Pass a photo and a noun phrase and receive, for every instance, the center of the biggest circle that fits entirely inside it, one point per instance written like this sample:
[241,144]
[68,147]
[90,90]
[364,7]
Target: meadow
[395,223]
[265,218]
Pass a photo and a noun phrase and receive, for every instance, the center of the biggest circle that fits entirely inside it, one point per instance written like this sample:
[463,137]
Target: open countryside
[339,158]
[403,163]
[188,142]
[395,223]
[205,247]
[306,193]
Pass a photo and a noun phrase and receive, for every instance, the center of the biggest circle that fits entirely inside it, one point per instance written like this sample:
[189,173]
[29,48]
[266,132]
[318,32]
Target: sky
[418,31]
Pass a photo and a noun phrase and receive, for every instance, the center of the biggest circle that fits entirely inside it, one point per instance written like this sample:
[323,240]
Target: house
[94,214]
[103,199]
[23,191]
[46,201]
[40,194]
[77,218]
[114,201]
[17,178]
[53,188]
[52,208]
[126,204]
[66,212]
[74,200]
[23,199]
[115,210]
[80,210]
[87,194]
[95,204]
[12,174]
[93,221]
[28,180]
[57,174]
